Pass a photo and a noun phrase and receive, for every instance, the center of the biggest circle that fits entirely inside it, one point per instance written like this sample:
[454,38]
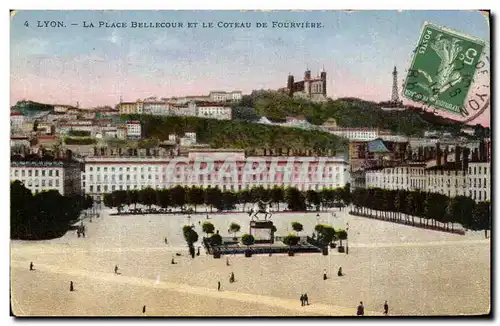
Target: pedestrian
[71,287]
[361,309]
[218,286]
[324,275]
[306,299]
[166,242]
[173,261]
[227,261]
[198,253]
[116,269]
[302,300]
[144,309]
[339,273]
[31,266]
[386,308]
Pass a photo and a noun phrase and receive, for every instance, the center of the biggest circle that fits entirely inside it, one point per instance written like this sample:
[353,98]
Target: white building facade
[134,129]
[359,134]
[211,111]
[479,181]
[38,176]
[474,183]
[229,171]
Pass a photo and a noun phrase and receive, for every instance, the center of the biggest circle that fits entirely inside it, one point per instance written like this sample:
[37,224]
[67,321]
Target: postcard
[250,163]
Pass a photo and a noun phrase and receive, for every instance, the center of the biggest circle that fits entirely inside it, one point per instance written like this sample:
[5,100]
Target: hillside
[348,112]
[239,134]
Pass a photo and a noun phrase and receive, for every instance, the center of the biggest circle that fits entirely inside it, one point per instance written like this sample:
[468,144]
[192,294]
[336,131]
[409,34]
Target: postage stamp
[444,70]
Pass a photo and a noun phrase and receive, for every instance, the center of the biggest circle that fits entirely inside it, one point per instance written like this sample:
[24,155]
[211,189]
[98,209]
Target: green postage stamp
[443,68]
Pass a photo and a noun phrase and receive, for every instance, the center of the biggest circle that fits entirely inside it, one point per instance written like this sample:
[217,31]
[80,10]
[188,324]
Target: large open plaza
[418,271]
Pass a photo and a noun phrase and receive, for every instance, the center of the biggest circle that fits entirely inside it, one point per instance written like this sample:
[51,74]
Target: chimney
[466,159]
[458,151]
[482,151]
[420,154]
[439,155]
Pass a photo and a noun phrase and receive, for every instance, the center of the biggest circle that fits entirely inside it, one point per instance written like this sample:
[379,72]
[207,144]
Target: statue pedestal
[262,231]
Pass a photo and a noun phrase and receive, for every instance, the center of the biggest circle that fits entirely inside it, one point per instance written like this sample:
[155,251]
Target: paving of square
[418,271]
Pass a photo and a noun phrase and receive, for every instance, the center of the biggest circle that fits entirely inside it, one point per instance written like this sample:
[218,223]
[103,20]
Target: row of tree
[225,200]
[434,208]
[44,215]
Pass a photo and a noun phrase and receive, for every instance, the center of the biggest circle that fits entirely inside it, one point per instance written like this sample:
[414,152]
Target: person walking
[339,273]
[31,266]
[218,286]
[386,308]
[306,299]
[324,275]
[166,241]
[116,269]
[227,261]
[361,309]
[302,300]
[71,287]
[144,309]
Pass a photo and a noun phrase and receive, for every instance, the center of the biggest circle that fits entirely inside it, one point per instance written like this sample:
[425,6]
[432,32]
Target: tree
[481,217]
[297,227]
[291,240]
[216,239]
[313,198]
[326,233]
[213,197]
[208,228]
[244,197]
[295,199]
[132,197]
[163,198]
[190,235]
[45,215]
[234,228]
[341,235]
[196,196]
[147,196]
[247,239]
[277,195]
[346,194]
[178,196]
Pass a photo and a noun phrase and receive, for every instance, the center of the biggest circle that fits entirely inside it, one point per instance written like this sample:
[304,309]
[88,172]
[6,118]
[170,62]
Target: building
[134,130]
[479,181]
[231,170]
[218,96]
[310,88]
[447,172]
[157,108]
[16,121]
[356,134]
[61,175]
[213,111]
[131,107]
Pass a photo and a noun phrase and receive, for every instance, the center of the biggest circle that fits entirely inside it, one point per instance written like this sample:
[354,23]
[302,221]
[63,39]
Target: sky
[98,66]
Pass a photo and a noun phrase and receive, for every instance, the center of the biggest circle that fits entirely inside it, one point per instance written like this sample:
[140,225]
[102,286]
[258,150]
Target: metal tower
[395,96]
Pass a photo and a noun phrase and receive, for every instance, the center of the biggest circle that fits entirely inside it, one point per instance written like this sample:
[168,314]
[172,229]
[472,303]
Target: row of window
[476,183]
[42,183]
[178,169]
[36,172]
[484,169]
[106,188]
[201,178]
[479,195]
